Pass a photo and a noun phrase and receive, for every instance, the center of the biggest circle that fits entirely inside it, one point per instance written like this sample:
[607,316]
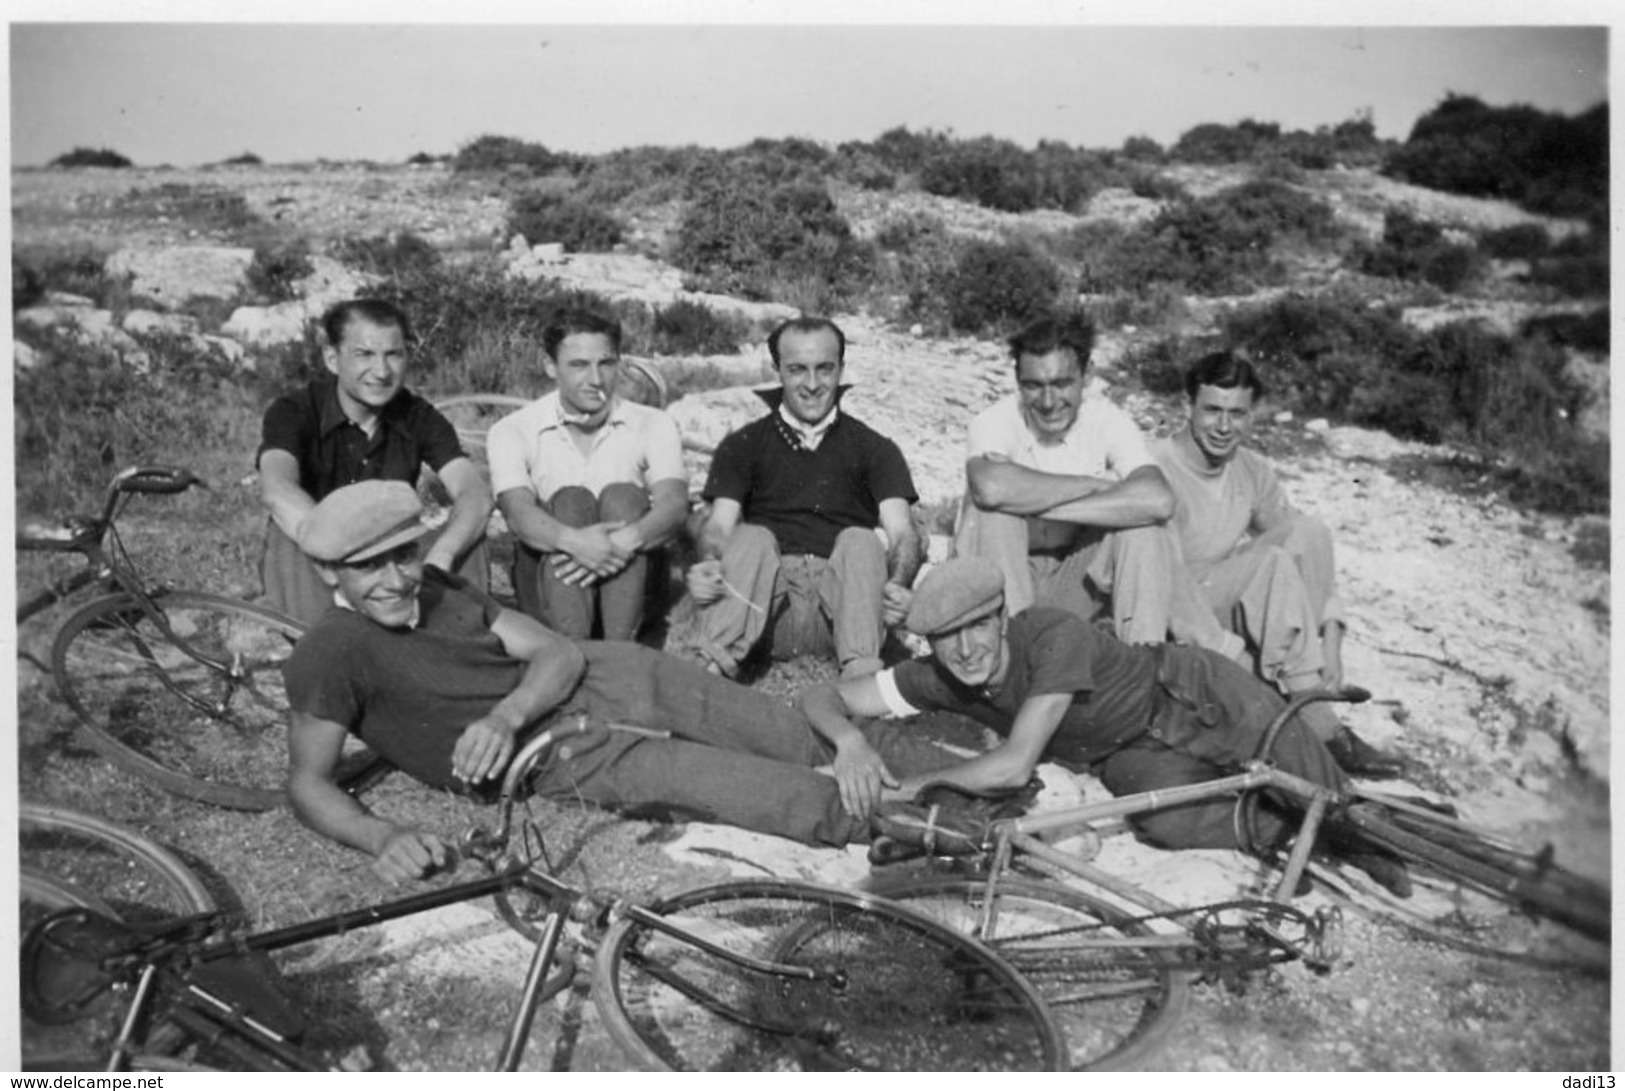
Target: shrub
[747,233]
[996,285]
[1524,241]
[1214,143]
[581,228]
[91,157]
[244,159]
[1587,332]
[424,159]
[77,270]
[1415,249]
[276,270]
[1143,148]
[999,174]
[1582,277]
[686,328]
[1546,162]
[497,153]
[395,256]
[1156,186]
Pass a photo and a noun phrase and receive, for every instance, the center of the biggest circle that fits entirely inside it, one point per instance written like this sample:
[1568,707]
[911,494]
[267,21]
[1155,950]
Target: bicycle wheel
[187,695]
[68,858]
[896,991]
[474,414]
[1529,883]
[1116,1002]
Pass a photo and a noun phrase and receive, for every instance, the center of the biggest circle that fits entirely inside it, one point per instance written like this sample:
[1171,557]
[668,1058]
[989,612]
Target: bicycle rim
[1116,1003]
[1546,891]
[187,695]
[907,993]
[70,858]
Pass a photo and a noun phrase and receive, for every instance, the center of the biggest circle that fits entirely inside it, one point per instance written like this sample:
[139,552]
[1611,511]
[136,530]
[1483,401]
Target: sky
[351,79]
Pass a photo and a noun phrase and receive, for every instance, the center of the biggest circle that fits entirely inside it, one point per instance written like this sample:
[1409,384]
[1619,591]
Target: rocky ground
[1483,633]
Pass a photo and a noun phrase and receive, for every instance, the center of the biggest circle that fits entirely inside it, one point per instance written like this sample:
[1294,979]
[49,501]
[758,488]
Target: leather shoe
[1358,758]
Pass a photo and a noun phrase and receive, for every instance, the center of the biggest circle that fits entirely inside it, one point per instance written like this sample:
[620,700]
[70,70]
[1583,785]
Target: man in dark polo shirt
[446,683]
[1059,688]
[790,550]
[360,424]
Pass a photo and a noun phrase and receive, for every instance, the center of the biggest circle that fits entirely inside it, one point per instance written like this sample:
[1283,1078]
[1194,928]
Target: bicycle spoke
[188,694]
[890,990]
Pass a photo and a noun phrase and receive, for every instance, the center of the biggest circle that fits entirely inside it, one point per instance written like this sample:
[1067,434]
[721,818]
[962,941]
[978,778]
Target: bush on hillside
[399,255]
[243,159]
[746,232]
[1509,399]
[1001,175]
[76,270]
[1515,242]
[1416,249]
[1216,245]
[1144,149]
[1352,143]
[686,328]
[1587,332]
[424,159]
[499,153]
[1546,162]
[274,274]
[996,286]
[581,228]
[91,157]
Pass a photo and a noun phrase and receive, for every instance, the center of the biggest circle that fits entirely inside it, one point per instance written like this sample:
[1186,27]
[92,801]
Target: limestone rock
[24,357]
[170,277]
[152,323]
[330,282]
[261,326]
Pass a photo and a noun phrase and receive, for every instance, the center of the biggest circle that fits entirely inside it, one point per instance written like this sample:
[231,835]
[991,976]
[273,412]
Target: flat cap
[955,593]
[361,521]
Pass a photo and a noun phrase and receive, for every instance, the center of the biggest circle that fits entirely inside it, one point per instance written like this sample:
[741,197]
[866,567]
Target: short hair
[375,312]
[574,320]
[1223,369]
[807,323]
[1046,335]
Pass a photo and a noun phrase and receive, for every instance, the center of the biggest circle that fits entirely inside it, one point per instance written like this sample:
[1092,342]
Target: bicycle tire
[198,708]
[1548,892]
[69,858]
[913,995]
[1117,1005]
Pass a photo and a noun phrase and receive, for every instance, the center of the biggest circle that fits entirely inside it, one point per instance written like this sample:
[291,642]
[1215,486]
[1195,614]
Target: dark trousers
[572,609]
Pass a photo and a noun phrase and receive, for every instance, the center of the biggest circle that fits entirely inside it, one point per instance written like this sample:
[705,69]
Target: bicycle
[1118,985]
[180,688]
[752,974]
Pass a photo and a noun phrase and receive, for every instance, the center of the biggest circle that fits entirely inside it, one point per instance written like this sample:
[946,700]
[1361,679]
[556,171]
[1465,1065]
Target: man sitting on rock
[360,424]
[589,483]
[445,683]
[1059,688]
[790,544]
[1259,567]
[1064,498]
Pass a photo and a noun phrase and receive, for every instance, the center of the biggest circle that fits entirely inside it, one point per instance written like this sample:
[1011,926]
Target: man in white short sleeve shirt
[589,483]
[1064,497]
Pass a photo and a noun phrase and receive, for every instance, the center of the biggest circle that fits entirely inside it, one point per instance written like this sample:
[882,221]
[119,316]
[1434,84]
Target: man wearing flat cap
[1062,689]
[443,681]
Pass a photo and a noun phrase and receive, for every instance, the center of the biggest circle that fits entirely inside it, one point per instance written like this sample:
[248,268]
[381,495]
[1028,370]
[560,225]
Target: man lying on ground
[445,682]
[1058,688]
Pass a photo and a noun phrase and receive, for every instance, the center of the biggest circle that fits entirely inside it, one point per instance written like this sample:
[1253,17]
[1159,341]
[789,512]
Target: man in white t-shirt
[589,483]
[1064,497]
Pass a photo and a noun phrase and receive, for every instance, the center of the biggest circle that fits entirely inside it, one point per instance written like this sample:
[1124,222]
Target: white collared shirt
[1103,442]
[811,435]
[532,448]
